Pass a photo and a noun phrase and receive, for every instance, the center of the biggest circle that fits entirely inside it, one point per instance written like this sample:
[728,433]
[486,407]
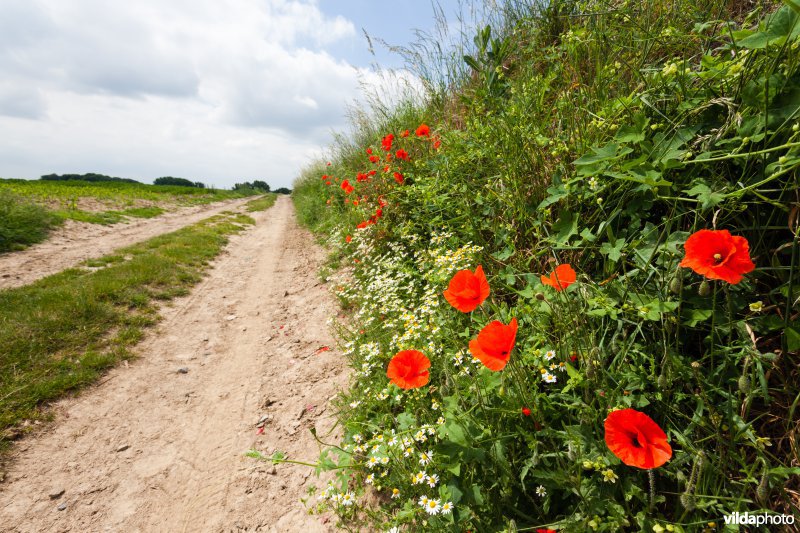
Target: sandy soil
[159,444]
[74,242]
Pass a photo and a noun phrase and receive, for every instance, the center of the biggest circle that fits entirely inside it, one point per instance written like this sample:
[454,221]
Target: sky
[217,91]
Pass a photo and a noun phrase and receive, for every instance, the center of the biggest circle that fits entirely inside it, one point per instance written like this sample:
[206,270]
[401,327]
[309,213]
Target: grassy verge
[60,333]
[108,217]
[22,222]
[261,204]
[599,139]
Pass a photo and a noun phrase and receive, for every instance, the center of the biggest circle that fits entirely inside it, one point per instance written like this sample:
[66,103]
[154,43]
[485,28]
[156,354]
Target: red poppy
[561,278]
[372,172]
[494,344]
[423,130]
[409,369]
[386,142]
[364,224]
[526,411]
[382,201]
[401,154]
[404,134]
[540,530]
[386,168]
[328,163]
[374,159]
[716,254]
[378,213]
[636,439]
[466,290]
[346,187]
[348,238]
[437,142]
[361,177]
[398,178]
[324,177]
[327,183]
[369,151]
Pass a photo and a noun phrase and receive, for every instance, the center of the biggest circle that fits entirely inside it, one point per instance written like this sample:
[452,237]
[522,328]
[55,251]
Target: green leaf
[792,339]
[705,195]
[780,26]
[608,152]
[614,252]
[692,317]
[565,227]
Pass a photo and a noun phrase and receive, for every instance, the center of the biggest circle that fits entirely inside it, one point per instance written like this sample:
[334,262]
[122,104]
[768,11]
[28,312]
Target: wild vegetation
[572,275]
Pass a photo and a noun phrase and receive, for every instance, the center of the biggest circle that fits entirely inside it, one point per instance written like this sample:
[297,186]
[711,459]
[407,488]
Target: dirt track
[74,242]
[155,449]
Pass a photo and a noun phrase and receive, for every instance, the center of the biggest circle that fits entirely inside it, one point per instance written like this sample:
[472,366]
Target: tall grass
[22,222]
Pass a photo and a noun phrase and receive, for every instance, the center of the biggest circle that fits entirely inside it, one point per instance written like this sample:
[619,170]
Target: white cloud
[205,89]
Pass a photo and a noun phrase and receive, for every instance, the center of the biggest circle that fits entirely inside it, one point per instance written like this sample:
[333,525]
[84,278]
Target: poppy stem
[651,475]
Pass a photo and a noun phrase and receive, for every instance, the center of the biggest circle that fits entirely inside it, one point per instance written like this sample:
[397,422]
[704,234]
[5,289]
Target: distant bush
[22,222]
[183,182]
[283,190]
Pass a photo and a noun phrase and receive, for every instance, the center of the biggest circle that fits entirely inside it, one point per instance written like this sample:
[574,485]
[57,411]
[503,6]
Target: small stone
[62,506]
[272,471]
[56,493]
[230,317]
[122,448]
[183,370]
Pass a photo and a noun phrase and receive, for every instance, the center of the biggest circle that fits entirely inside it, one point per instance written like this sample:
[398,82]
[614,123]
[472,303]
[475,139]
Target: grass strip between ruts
[61,332]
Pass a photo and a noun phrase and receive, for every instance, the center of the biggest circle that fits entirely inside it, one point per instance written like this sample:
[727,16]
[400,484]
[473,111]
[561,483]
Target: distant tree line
[84,177]
[182,182]
[255,185]
[283,190]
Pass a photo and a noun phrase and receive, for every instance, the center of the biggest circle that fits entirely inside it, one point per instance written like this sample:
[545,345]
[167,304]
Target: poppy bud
[676,284]
[762,492]
[744,384]
[705,288]
[688,501]
[663,382]
[539,296]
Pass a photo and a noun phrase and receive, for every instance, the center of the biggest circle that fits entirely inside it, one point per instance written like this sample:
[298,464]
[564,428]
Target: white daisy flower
[433,507]
[384,460]
[370,479]
[395,493]
[549,354]
[447,507]
[347,499]
[541,492]
[425,457]
[423,500]
[432,480]
[372,462]
[419,477]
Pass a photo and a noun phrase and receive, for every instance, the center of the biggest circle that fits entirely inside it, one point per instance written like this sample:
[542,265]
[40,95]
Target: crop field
[571,276]
[30,208]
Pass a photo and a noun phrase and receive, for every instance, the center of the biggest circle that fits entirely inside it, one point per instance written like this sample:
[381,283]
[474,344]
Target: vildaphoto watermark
[760,519]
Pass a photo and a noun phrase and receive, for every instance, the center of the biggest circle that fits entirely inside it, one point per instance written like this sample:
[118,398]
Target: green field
[29,209]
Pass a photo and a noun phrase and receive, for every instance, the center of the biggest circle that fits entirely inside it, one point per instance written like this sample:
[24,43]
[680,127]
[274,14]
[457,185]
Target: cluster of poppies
[383,163]
[631,435]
